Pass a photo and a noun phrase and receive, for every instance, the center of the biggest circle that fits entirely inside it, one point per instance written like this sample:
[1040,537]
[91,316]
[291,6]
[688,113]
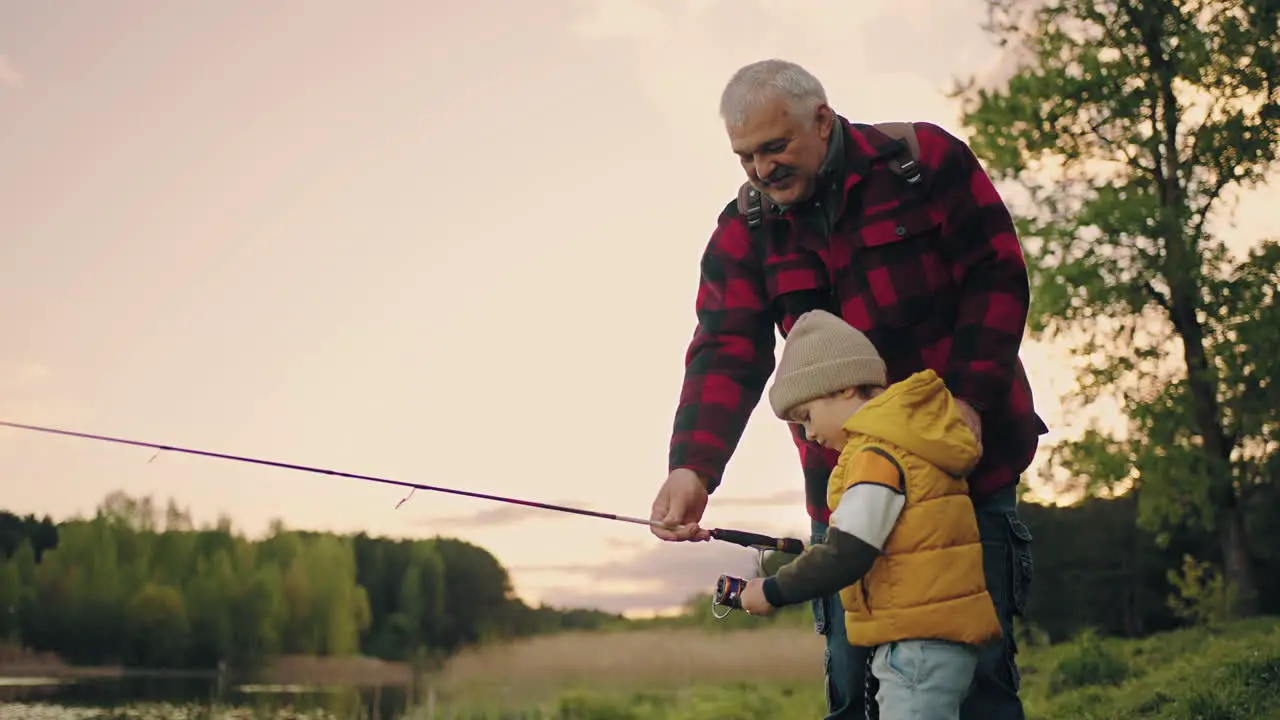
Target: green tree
[14,530]
[1096,568]
[255,614]
[137,585]
[213,630]
[339,607]
[10,598]
[157,627]
[88,590]
[24,560]
[1129,122]
[477,593]
[422,599]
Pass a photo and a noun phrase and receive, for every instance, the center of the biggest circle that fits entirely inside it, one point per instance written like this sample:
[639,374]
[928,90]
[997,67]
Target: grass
[651,663]
[775,671]
[1232,673]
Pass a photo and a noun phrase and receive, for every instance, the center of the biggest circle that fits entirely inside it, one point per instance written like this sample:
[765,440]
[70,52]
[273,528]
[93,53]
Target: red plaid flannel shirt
[933,275]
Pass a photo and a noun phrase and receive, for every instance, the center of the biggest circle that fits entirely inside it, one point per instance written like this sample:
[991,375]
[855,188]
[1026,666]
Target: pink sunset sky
[452,243]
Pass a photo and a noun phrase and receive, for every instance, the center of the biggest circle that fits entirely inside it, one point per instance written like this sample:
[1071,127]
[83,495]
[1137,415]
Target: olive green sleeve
[821,570]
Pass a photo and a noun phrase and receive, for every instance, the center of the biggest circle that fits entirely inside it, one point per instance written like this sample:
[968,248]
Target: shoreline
[284,670]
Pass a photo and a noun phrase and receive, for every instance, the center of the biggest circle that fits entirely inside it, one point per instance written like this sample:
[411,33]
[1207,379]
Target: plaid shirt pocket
[901,277]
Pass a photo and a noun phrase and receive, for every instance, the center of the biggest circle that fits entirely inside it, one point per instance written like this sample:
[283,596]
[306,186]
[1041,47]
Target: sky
[448,243]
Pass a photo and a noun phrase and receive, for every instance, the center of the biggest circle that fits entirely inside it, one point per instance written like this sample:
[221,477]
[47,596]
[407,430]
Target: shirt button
[900,230]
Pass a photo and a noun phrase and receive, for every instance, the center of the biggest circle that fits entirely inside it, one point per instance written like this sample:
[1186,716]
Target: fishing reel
[728,594]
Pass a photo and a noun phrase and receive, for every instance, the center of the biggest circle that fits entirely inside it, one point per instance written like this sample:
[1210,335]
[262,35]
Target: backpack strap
[904,164]
[755,206]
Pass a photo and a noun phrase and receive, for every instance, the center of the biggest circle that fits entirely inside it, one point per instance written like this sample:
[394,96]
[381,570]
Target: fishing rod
[745,539]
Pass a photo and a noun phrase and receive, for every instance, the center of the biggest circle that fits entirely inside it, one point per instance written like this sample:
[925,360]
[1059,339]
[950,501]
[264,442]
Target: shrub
[1088,663]
[589,706]
[1203,596]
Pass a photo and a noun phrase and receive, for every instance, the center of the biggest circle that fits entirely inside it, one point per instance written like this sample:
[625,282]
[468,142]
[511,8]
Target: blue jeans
[1006,546]
[923,679]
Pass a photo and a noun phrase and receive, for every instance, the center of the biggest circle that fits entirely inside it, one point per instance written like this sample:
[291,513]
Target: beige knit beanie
[823,354]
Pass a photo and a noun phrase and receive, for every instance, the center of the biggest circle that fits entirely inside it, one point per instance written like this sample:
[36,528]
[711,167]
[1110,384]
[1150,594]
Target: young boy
[902,547]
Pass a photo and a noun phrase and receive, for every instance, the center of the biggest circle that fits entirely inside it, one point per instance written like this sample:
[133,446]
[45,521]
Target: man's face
[781,151]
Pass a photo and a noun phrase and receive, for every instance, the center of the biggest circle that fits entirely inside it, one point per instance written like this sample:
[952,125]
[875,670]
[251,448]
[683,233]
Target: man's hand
[679,506]
[753,600]
[971,419]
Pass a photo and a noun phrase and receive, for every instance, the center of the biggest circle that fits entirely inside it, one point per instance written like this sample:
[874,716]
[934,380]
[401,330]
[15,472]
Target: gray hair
[760,82]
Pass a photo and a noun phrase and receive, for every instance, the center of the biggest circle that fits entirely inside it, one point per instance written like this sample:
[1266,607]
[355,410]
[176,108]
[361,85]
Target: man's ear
[825,117]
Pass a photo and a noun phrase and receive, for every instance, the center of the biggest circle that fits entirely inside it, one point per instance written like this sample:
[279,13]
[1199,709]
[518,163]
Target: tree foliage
[1130,123]
[192,597]
[141,586]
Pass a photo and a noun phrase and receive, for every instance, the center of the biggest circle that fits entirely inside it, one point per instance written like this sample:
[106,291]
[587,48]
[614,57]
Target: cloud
[620,544]
[663,576]
[621,603]
[492,517]
[9,75]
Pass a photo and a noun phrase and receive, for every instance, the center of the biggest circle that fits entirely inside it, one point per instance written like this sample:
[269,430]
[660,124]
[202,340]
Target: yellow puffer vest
[929,581]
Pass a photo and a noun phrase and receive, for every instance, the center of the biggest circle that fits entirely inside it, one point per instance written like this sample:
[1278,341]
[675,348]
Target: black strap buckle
[755,208]
[910,171]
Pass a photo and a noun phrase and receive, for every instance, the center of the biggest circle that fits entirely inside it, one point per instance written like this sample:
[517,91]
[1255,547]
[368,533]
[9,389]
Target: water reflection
[371,703]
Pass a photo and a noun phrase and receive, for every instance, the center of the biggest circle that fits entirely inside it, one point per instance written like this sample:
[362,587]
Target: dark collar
[829,188]
[831,170]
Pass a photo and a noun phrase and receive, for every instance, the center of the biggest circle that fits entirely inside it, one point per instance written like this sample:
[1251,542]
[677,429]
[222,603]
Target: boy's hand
[971,419]
[753,600]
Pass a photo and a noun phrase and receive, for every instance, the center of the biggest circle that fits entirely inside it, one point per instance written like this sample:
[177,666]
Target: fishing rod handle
[790,546]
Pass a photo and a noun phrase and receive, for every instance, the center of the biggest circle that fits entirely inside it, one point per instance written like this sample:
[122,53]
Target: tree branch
[1157,296]
[1149,41]
[1210,197]
[1109,32]
[1130,160]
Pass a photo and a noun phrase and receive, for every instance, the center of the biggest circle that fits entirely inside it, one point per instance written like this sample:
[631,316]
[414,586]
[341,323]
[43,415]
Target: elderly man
[901,233]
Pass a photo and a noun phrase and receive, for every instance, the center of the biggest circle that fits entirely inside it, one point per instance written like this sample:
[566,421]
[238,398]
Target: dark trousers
[1006,548]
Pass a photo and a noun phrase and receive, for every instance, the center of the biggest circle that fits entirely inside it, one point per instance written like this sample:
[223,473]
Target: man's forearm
[821,570]
[724,380]
[729,359]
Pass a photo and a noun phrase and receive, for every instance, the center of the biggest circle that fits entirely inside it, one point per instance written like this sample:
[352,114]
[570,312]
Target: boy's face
[824,418]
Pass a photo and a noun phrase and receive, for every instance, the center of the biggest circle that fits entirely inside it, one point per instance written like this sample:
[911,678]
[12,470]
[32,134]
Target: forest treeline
[142,586]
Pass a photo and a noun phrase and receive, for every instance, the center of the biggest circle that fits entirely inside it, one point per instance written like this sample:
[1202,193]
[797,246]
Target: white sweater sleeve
[868,512]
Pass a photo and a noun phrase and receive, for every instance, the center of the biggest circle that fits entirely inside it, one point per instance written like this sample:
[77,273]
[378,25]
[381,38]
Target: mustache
[779,174]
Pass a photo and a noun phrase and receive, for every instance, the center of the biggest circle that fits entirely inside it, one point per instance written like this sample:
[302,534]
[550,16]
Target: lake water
[163,698]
